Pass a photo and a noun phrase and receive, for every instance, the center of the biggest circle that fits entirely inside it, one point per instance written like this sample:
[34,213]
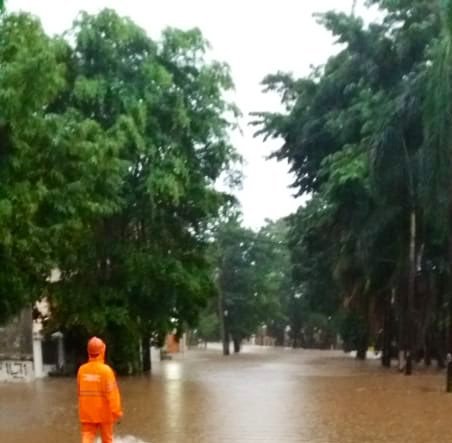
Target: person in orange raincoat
[98,395]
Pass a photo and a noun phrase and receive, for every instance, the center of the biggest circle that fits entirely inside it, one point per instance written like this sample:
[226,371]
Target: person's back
[99,399]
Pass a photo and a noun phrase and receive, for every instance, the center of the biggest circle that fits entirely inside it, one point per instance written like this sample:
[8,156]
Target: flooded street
[261,396]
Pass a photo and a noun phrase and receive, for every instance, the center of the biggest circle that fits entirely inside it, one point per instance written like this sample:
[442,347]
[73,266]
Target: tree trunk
[223,323]
[365,328]
[237,344]
[449,299]
[387,332]
[428,349]
[297,340]
[438,332]
[279,337]
[440,341]
[410,295]
[226,339]
[440,351]
[362,353]
[401,324]
[401,345]
[363,345]
[430,320]
[146,346]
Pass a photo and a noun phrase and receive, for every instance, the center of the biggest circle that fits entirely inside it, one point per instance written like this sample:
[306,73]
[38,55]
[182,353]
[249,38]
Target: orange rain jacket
[98,393]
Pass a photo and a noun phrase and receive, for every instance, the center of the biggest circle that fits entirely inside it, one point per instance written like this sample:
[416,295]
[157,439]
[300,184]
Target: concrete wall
[16,370]
[25,354]
[16,349]
[16,338]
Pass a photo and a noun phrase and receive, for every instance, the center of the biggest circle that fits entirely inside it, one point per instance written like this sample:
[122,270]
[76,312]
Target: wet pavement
[261,396]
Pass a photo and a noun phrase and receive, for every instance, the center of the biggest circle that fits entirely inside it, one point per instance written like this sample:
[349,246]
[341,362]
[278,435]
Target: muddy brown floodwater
[261,396]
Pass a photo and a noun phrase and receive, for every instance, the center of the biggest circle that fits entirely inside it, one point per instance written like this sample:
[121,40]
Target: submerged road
[261,396]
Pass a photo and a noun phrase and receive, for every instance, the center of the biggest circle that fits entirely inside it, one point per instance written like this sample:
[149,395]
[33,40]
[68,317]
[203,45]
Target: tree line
[367,137]
[111,144]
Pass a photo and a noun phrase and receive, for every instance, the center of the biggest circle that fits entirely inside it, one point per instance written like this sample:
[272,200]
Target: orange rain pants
[90,430]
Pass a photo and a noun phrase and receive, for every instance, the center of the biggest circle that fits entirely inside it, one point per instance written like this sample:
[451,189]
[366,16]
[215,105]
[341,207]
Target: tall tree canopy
[111,146]
[366,136]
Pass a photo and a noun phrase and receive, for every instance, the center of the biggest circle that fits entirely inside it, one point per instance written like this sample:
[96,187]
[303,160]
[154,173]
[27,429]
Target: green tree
[254,280]
[50,188]
[111,146]
[235,274]
[143,269]
[437,150]
[274,273]
[353,134]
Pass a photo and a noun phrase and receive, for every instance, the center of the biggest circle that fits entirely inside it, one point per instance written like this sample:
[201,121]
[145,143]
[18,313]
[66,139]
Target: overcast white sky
[255,37]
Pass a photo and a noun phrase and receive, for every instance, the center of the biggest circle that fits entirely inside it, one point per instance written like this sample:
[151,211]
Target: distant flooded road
[261,396]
